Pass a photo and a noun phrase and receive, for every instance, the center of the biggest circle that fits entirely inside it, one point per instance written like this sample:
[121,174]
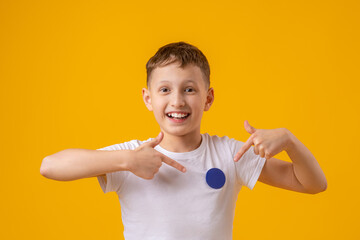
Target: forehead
[173,73]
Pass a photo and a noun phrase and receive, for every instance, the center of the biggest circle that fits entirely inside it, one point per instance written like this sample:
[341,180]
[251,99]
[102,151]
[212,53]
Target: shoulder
[223,139]
[128,145]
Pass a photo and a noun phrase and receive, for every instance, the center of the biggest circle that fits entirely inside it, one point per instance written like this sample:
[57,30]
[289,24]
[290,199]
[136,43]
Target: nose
[177,100]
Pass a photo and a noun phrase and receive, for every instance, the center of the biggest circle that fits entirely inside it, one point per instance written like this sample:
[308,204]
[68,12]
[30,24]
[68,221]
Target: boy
[192,195]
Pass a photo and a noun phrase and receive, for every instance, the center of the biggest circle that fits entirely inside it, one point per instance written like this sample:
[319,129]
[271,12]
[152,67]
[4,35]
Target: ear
[209,99]
[147,98]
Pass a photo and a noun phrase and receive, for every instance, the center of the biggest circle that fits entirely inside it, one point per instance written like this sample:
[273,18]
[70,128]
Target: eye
[164,89]
[189,90]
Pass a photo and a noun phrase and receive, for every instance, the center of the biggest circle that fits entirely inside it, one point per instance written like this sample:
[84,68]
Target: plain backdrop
[71,76]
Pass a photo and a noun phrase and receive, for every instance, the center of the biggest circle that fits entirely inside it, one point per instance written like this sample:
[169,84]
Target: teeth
[177,115]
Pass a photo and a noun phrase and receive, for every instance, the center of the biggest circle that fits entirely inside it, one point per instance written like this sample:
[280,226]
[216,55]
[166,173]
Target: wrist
[125,158]
[290,140]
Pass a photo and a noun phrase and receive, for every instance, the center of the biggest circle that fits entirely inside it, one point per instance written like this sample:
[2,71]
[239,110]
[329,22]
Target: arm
[304,174]
[72,164]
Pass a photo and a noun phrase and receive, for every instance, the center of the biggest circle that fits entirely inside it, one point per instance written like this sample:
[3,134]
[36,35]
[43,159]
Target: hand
[147,160]
[268,142]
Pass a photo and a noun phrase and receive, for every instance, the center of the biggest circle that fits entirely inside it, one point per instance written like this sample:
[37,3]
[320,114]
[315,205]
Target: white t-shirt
[176,205]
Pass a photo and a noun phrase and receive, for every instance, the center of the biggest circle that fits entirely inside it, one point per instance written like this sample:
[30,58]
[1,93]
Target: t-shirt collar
[185,155]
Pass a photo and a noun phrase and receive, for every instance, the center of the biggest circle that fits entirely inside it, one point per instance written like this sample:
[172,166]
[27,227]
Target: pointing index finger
[244,148]
[173,163]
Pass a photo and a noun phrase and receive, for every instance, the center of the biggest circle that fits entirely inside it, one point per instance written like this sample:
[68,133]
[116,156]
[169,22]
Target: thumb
[156,140]
[248,127]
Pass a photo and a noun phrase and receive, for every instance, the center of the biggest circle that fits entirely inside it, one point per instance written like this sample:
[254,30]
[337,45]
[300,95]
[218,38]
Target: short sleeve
[114,180]
[249,166]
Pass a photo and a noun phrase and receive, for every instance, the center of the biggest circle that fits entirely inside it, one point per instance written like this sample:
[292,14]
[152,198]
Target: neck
[184,143]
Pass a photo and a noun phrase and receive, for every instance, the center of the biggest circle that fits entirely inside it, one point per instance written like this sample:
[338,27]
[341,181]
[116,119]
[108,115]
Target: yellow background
[71,76]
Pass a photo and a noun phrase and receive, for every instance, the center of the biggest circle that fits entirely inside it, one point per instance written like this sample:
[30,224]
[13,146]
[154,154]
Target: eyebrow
[163,81]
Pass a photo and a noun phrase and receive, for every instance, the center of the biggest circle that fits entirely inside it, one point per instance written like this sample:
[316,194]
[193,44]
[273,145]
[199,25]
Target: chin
[178,133]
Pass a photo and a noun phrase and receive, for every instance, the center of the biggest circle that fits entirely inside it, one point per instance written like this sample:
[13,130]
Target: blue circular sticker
[215,178]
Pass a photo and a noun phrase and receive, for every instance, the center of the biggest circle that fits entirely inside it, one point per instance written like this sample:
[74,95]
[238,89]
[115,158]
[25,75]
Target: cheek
[200,102]
[198,106]
[157,103]
[158,107]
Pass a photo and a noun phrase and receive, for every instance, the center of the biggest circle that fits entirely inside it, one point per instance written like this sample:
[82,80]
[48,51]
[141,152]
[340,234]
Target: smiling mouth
[178,115]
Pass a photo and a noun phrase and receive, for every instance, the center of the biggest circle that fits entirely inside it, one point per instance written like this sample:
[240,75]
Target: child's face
[182,91]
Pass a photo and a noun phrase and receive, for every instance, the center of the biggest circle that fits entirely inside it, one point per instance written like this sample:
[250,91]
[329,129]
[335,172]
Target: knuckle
[159,160]
[159,156]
